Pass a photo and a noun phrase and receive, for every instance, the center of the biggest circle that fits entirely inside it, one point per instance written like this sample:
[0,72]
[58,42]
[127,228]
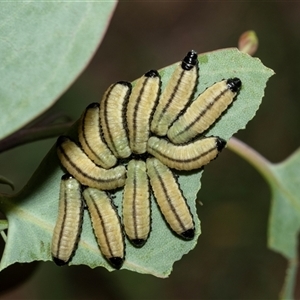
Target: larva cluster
[134,138]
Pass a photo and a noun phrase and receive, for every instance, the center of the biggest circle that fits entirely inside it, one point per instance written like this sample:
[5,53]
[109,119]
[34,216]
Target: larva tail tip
[138,242]
[190,60]
[234,84]
[188,234]
[152,73]
[116,262]
[58,261]
[220,144]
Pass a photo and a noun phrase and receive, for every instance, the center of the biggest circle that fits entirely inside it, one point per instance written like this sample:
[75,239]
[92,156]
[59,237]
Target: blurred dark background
[231,260]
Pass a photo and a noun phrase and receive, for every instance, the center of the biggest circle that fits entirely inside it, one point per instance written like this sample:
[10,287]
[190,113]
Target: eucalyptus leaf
[44,47]
[284,223]
[32,213]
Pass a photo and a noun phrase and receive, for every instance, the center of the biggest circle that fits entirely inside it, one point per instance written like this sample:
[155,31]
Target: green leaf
[44,47]
[32,213]
[284,223]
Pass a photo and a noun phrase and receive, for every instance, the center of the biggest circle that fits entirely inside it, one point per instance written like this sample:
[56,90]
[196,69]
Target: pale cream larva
[142,101]
[77,163]
[113,118]
[204,111]
[106,225]
[69,221]
[136,203]
[90,138]
[170,199]
[177,94]
[185,157]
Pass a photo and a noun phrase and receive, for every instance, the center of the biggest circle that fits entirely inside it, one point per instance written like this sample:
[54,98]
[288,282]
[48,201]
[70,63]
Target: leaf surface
[32,213]
[284,222]
[43,48]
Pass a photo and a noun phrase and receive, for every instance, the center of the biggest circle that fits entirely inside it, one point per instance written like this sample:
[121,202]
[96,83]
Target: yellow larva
[170,199]
[69,221]
[204,111]
[136,203]
[84,170]
[186,157]
[176,95]
[141,104]
[106,225]
[90,138]
[113,118]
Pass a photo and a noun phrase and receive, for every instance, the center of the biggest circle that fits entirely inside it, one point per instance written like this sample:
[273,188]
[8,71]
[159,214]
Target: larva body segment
[106,225]
[84,170]
[176,95]
[113,119]
[170,199]
[141,104]
[90,139]
[136,203]
[185,157]
[204,111]
[69,221]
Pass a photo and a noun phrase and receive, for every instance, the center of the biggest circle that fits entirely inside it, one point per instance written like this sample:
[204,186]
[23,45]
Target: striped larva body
[84,170]
[170,199]
[204,111]
[142,101]
[69,221]
[176,95]
[90,139]
[106,225]
[113,118]
[136,203]
[185,157]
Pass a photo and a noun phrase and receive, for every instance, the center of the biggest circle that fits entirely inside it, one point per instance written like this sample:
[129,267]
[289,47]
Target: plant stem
[260,163]
[27,135]
[3,236]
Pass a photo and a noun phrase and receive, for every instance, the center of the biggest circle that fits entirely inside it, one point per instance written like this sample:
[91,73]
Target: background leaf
[43,49]
[32,213]
[284,222]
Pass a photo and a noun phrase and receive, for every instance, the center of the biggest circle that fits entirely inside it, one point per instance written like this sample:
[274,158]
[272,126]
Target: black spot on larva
[234,84]
[116,262]
[190,60]
[188,234]
[152,73]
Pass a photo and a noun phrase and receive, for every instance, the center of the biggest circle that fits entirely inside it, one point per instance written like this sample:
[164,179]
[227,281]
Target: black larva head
[138,242]
[220,144]
[66,176]
[234,84]
[59,262]
[116,262]
[190,60]
[152,73]
[93,105]
[61,139]
[125,83]
[189,234]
